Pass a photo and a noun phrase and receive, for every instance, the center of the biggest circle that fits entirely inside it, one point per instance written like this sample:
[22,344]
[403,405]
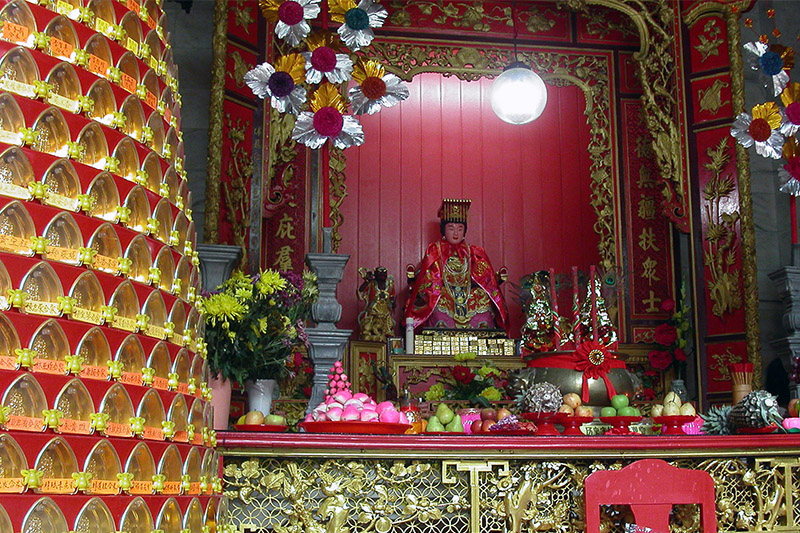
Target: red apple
[488,414]
[476,426]
[502,413]
[584,410]
[486,424]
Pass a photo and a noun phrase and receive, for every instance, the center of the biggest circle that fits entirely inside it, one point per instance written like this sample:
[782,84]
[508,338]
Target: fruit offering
[511,424]
[340,404]
[444,420]
[571,405]
[620,406]
[672,406]
[489,417]
[258,418]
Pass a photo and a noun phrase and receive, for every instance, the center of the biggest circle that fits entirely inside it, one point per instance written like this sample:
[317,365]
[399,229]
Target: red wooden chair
[650,487]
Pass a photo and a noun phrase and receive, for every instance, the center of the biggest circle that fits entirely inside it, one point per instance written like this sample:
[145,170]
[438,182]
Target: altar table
[331,483]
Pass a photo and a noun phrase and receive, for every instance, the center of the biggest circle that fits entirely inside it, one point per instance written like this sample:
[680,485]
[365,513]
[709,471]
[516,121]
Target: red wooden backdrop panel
[529,185]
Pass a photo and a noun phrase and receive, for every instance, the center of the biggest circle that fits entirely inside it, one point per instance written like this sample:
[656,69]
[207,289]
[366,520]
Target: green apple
[274,420]
[619,401]
[627,411]
[608,411]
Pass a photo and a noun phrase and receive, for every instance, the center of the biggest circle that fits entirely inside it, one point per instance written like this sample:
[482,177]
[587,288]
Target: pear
[455,425]
[671,409]
[687,409]
[444,413]
[434,424]
[657,410]
[672,397]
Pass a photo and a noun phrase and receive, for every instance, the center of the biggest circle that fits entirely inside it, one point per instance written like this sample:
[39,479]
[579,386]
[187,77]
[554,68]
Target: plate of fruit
[256,421]
[489,417]
[444,421]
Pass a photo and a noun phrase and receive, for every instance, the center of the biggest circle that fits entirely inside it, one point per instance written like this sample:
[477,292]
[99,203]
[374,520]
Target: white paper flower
[280,83]
[375,88]
[357,21]
[323,61]
[327,120]
[760,129]
[290,17]
[774,61]
[790,172]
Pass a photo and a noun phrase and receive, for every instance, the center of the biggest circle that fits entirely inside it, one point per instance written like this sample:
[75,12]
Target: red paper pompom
[328,121]
[793,167]
[759,130]
[323,59]
[793,112]
[373,88]
[290,13]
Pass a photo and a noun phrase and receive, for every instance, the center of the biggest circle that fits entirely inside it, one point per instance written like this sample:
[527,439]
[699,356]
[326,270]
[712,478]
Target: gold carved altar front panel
[355,495]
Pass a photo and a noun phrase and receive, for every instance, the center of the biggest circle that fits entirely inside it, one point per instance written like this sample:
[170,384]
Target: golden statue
[376,322]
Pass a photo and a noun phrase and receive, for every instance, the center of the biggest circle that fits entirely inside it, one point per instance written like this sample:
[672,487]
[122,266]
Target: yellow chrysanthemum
[491,394]
[435,393]
[223,308]
[486,370]
[269,282]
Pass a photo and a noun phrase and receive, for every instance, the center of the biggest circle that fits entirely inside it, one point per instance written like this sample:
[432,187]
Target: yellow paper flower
[465,356]
[491,394]
[435,393]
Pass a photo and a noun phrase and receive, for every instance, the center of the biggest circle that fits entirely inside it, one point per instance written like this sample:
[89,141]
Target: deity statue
[455,285]
[377,290]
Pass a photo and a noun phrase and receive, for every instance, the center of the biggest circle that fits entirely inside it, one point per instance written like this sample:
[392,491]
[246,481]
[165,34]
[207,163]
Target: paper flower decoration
[322,60]
[327,120]
[775,61]
[290,17]
[280,83]
[357,21]
[791,115]
[760,129]
[375,88]
[790,172]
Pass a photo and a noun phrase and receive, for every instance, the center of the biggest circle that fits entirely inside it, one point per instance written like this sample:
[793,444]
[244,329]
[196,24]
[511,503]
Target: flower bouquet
[670,336]
[253,323]
[486,384]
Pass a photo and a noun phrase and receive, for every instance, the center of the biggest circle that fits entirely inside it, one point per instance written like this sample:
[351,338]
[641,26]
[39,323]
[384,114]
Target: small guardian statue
[375,321]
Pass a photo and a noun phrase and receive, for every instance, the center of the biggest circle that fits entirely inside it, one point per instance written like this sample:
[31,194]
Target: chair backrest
[650,487]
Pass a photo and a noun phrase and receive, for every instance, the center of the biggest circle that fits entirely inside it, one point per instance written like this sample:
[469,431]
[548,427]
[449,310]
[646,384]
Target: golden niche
[50,348]
[193,520]
[5,286]
[141,465]
[134,114]
[76,406]
[128,157]
[118,406]
[95,518]
[88,295]
[197,421]
[211,515]
[150,82]
[178,317]
[137,518]
[95,352]
[12,463]
[133,30]
[152,410]
[131,355]
[138,253]
[200,369]
[103,191]
[130,76]
[182,272]
[106,243]
[156,124]
[26,401]
[155,308]
[18,72]
[94,148]
[104,465]
[163,214]
[169,519]
[179,415]
[68,8]
[139,208]
[9,343]
[16,229]
[166,266]
[173,183]
[62,184]
[152,169]
[19,20]
[100,58]
[64,239]
[57,462]
[183,368]
[160,362]
[5,521]
[66,88]
[45,515]
[63,38]
[11,121]
[193,467]
[104,103]
[52,134]
[171,467]
[43,289]
[126,303]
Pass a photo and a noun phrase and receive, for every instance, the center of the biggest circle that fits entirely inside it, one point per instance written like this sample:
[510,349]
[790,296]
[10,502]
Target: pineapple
[715,422]
[539,398]
[758,409]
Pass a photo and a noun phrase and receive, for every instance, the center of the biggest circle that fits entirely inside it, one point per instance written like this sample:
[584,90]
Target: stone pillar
[787,283]
[327,341]
[217,262]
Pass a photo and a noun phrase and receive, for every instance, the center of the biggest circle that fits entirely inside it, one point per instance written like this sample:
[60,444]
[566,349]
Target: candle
[593,297]
[554,303]
[576,320]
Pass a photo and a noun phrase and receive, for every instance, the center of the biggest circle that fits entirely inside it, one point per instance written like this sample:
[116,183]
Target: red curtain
[529,185]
